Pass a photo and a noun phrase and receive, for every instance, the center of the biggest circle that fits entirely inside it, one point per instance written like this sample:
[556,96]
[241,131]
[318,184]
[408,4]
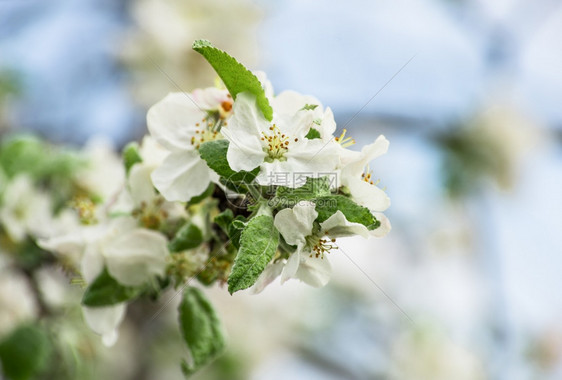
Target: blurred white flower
[132,255]
[24,209]
[104,175]
[105,321]
[17,301]
[279,146]
[428,354]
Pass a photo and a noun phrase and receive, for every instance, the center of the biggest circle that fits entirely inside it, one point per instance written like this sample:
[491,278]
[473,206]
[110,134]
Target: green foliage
[326,206]
[25,353]
[189,236]
[201,330]
[312,134]
[258,245]
[38,159]
[235,230]
[313,188]
[214,153]
[224,219]
[131,155]
[234,75]
[106,291]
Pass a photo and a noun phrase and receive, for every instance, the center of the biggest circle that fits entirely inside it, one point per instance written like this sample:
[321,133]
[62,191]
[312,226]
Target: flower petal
[314,271]
[292,266]
[368,195]
[245,151]
[296,224]
[105,321]
[172,121]
[271,272]
[135,257]
[182,176]
[338,226]
[385,226]
[140,184]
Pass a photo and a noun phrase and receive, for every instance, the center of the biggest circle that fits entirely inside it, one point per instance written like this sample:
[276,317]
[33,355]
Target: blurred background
[469,93]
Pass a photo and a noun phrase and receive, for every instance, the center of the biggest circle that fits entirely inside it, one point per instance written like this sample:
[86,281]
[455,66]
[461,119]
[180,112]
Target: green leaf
[214,153]
[326,206]
[224,219]
[201,330]
[235,230]
[25,353]
[313,134]
[106,291]
[258,244]
[189,236]
[131,155]
[234,75]
[313,188]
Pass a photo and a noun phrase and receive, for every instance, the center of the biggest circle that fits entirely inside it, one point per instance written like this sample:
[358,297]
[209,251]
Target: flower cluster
[234,184]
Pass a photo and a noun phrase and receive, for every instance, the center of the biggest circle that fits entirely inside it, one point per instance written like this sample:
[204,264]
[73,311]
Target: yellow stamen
[345,141]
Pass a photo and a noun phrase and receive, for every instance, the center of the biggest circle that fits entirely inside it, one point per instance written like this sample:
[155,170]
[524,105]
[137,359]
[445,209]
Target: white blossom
[17,301]
[309,262]
[279,146]
[24,209]
[181,122]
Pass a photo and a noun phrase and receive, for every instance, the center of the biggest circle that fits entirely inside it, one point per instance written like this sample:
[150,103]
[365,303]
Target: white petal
[290,269]
[313,156]
[210,98]
[92,262]
[338,226]
[368,195]
[70,245]
[328,126]
[172,121]
[369,152]
[140,184]
[376,149]
[296,223]
[152,153]
[182,176]
[136,257]
[245,151]
[291,102]
[385,226]
[270,273]
[315,272]
[105,321]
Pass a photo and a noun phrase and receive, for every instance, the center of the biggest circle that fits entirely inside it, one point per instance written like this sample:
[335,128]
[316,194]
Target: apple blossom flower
[308,262]
[17,301]
[181,123]
[279,146]
[24,209]
[357,178]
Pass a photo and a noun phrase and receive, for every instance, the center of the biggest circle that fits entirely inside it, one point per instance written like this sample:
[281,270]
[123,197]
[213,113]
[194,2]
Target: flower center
[276,143]
[151,215]
[367,175]
[320,246]
[345,141]
[206,131]
[86,209]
